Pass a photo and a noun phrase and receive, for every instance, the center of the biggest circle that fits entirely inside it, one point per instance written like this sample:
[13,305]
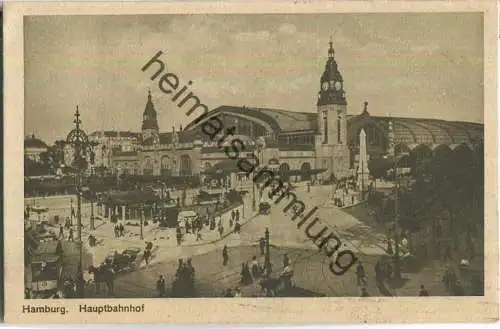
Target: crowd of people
[183,284]
[195,226]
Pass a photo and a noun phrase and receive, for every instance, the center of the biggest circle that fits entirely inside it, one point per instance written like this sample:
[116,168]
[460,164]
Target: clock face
[338,85]
[325,85]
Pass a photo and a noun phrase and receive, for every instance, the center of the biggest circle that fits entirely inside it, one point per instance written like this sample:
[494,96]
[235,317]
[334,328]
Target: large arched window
[148,167]
[185,166]
[165,166]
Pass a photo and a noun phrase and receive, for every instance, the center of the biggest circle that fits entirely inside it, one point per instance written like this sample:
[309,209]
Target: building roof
[278,120]
[33,142]
[406,130]
[423,131]
[111,134]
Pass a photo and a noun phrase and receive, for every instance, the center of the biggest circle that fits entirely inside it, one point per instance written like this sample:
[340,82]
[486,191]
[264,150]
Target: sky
[409,65]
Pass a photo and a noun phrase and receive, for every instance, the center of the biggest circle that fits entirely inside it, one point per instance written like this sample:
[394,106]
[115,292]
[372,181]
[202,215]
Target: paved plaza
[311,274]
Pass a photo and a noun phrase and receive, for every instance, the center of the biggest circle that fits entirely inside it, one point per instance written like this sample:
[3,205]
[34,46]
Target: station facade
[302,144]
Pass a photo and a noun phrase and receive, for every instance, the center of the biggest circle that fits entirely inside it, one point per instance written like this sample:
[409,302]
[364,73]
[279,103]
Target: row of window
[296,140]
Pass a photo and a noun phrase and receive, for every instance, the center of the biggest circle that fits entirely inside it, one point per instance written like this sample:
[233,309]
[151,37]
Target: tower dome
[331,82]
[149,120]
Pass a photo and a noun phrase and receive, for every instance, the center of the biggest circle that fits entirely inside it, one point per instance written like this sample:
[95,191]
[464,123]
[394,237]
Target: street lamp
[79,140]
[92,223]
[397,265]
[259,146]
[142,221]
[267,261]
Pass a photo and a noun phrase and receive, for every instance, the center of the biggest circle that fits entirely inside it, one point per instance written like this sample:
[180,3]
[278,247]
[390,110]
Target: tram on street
[46,269]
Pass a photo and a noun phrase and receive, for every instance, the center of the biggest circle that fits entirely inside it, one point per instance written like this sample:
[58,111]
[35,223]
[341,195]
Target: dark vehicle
[264,208]
[46,269]
[125,261]
[168,217]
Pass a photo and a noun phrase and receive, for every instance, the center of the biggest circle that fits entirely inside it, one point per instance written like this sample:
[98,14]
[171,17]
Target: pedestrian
[225,256]
[360,275]
[228,293]
[379,276]
[458,290]
[364,293]
[233,215]
[198,234]
[423,292]
[246,276]
[179,268]
[447,252]
[61,232]
[122,230]
[160,286]
[262,245]
[237,228]
[237,293]
[72,212]
[71,237]
[286,260]
[237,215]
[255,267]
[179,236]
[147,255]
[221,229]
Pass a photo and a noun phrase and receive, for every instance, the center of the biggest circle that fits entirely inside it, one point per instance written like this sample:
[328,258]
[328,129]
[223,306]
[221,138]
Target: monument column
[363,172]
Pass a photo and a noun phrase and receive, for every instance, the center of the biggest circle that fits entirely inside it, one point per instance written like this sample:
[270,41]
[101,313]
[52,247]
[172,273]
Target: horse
[102,274]
[270,286]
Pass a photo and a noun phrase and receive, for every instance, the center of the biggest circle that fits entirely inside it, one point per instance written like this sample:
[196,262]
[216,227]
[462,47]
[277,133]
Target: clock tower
[149,121]
[331,139]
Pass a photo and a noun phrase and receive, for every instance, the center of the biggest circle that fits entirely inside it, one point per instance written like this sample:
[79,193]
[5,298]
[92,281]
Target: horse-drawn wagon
[123,261]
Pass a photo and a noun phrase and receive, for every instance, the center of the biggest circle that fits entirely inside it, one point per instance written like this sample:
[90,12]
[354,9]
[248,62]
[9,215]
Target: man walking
[423,292]
[225,256]
[360,275]
[286,260]
[160,286]
[262,245]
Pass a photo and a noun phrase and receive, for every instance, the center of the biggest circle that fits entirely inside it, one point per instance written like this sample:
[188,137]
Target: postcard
[250,163]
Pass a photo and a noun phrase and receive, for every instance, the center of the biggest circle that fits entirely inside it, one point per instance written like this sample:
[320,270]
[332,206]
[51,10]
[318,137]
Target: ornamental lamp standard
[92,220]
[142,221]
[397,187]
[79,140]
[267,261]
[259,148]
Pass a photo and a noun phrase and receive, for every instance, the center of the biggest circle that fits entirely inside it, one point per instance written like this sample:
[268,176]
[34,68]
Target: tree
[378,167]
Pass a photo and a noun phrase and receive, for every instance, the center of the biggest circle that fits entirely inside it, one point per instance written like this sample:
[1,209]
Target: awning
[223,168]
[131,197]
[298,172]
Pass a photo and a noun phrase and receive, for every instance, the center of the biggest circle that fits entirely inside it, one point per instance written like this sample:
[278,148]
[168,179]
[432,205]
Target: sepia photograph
[321,155]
